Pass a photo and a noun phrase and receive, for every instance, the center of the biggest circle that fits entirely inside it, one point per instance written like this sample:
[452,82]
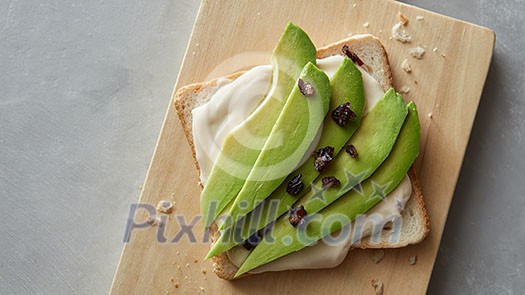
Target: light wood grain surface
[446,85]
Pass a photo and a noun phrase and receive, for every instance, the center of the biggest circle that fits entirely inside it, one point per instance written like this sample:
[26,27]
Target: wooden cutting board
[446,85]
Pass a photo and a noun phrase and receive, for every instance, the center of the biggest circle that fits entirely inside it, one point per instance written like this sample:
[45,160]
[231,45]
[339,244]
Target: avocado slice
[373,140]
[242,147]
[382,182]
[292,135]
[346,86]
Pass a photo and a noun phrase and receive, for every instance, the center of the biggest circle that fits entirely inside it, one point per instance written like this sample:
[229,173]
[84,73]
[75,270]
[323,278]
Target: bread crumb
[399,34]
[178,252]
[430,115]
[406,66]
[435,49]
[366,24]
[354,6]
[165,207]
[377,256]
[195,260]
[404,89]
[380,31]
[258,14]
[185,277]
[403,19]
[417,52]
[420,17]
[201,289]
[412,260]
[378,286]
[443,55]
[203,271]
[193,53]
[187,265]
[177,285]
[178,266]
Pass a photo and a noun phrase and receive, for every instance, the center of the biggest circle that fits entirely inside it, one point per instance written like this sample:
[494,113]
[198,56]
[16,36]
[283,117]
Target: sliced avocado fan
[287,239]
[346,86]
[292,135]
[242,147]
[373,141]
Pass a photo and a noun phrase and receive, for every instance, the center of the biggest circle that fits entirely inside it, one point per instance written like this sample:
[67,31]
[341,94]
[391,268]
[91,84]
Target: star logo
[318,193]
[353,181]
[399,204]
[379,190]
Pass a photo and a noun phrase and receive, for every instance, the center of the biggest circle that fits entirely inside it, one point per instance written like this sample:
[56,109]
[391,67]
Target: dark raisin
[343,114]
[306,88]
[350,149]
[352,55]
[330,181]
[296,216]
[295,185]
[323,157]
[252,241]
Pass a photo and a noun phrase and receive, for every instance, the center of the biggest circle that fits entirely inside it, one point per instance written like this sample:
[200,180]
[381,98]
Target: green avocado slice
[346,86]
[373,141]
[242,147]
[289,239]
[292,135]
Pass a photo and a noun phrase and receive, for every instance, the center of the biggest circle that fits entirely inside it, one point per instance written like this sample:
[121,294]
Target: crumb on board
[377,256]
[177,285]
[443,55]
[355,5]
[195,260]
[165,207]
[378,286]
[366,24]
[400,34]
[417,52]
[203,271]
[435,49]
[187,265]
[403,19]
[404,89]
[430,115]
[412,260]
[420,17]
[406,66]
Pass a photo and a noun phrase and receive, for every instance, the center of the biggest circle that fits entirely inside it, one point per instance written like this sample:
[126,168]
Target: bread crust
[373,54]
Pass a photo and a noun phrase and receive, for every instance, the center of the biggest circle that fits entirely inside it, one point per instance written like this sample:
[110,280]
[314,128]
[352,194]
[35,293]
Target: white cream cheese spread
[232,102]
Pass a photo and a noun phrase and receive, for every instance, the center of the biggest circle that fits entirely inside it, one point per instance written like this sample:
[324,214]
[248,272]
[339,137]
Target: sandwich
[304,159]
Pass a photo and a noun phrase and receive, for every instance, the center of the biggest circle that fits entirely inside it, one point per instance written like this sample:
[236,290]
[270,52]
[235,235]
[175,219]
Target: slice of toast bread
[415,222]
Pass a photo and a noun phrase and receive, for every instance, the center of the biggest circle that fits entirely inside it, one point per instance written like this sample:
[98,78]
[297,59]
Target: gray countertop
[84,89]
